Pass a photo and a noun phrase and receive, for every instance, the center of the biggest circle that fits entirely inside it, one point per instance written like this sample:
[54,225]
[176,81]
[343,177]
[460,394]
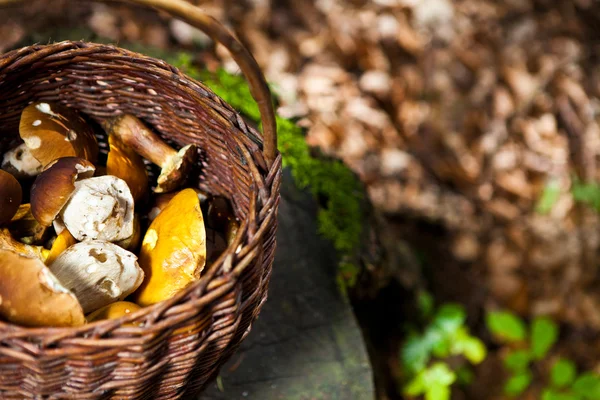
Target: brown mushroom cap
[30,294]
[53,188]
[52,131]
[11,195]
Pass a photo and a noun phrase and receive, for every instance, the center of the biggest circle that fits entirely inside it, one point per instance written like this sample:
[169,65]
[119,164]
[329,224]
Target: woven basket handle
[258,85]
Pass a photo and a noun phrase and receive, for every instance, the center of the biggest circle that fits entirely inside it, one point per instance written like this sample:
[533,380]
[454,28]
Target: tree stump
[306,343]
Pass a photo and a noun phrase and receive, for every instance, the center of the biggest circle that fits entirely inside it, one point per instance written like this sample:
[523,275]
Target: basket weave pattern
[181,343]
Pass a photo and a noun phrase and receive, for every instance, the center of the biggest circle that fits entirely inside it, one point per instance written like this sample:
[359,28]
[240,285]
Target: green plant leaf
[544,333]
[416,386]
[438,392]
[441,348]
[587,386]
[440,374]
[517,360]
[425,303]
[474,350]
[549,197]
[550,394]
[562,373]
[436,376]
[471,347]
[449,318]
[587,193]
[415,353]
[518,383]
[464,375]
[506,326]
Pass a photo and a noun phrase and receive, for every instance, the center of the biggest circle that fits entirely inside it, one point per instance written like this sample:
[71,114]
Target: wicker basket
[182,342]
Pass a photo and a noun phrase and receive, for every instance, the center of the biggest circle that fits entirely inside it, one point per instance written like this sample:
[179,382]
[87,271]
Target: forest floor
[475,128]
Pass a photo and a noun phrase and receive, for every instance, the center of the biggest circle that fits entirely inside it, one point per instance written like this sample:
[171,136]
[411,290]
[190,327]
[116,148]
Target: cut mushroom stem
[100,208]
[21,163]
[11,195]
[98,273]
[175,164]
[132,243]
[30,295]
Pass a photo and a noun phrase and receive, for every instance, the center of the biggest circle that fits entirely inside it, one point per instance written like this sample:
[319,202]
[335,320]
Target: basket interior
[102,81]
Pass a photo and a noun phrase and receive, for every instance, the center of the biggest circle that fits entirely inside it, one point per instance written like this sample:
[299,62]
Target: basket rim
[8,329]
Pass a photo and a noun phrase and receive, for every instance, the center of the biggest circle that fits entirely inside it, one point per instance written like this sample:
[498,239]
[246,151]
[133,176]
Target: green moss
[339,217]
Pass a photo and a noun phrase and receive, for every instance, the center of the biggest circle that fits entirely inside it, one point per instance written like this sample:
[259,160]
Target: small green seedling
[534,346]
[423,353]
[583,193]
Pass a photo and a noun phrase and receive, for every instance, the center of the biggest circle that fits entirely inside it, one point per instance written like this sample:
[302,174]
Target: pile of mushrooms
[81,241]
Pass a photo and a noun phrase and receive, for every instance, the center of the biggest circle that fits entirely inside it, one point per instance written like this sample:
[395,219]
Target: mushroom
[7,242]
[51,131]
[21,163]
[53,188]
[126,164]
[63,241]
[161,201]
[11,195]
[30,294]
[173,252]
[98,273]
[113,311]
[175,164]
[100,208]
[25,228]
[132,242]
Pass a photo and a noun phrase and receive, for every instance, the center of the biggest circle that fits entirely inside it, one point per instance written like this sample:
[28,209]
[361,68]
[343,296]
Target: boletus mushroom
[53,188]
[11,195]
[30,295]
[100,208]
[21,163]
[98,273]
[63,241]
[173,252]
[8,242]
[126,164]
[51,131]
[174,164]
[133,242]
[113,311]
[25,228]
[161,201]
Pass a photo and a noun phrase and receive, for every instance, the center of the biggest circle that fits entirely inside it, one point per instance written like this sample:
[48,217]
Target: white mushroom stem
[98,273]
[100,208]
[21,163]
